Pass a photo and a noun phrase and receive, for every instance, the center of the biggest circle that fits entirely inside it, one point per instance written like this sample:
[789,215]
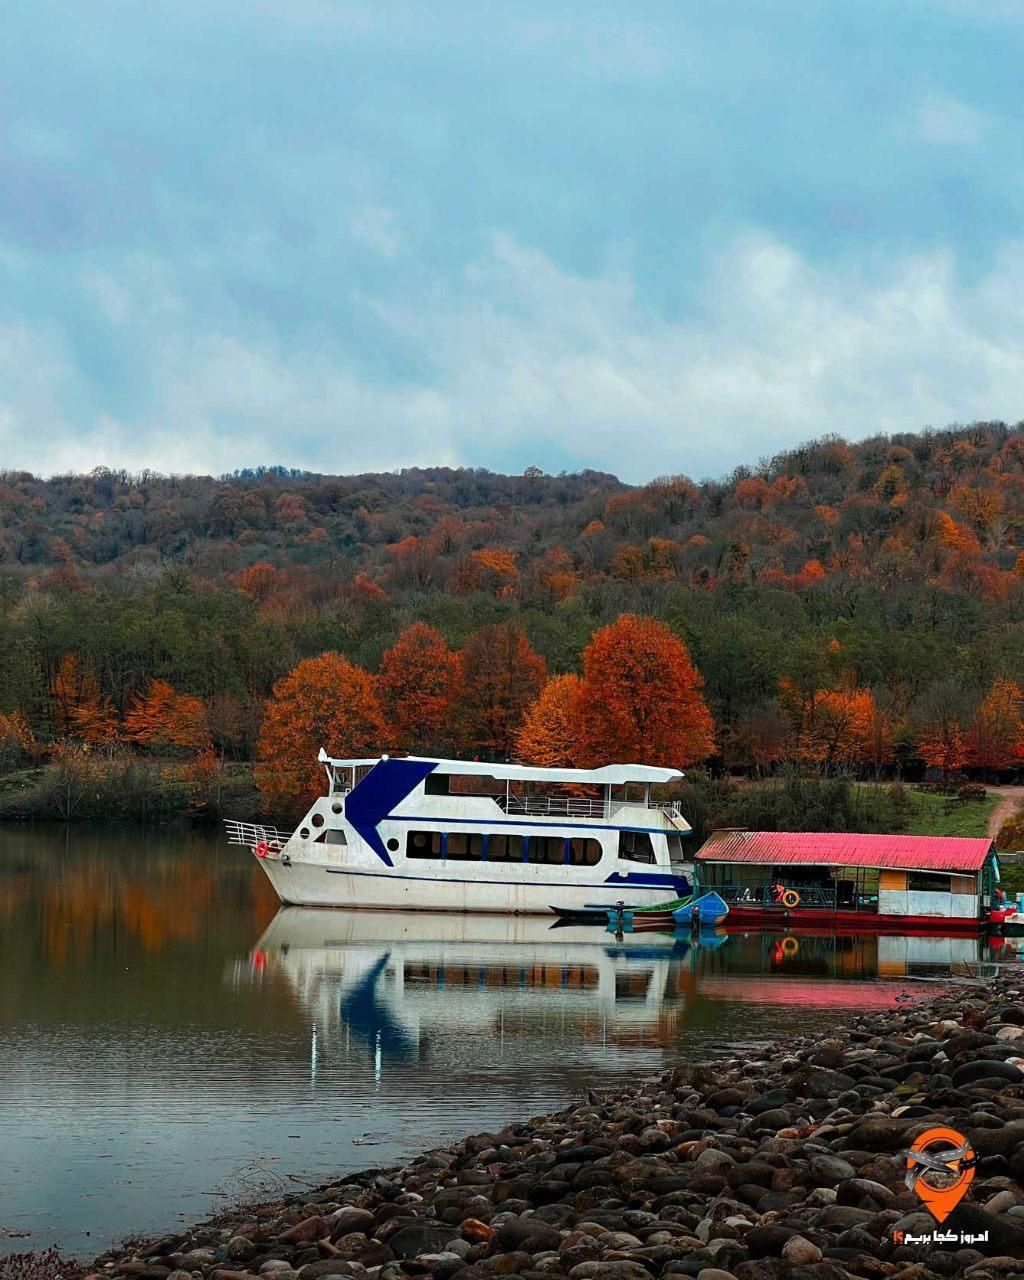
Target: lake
[173,1042]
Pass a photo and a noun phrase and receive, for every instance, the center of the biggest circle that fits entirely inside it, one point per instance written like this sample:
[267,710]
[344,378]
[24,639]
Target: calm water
[171,1041]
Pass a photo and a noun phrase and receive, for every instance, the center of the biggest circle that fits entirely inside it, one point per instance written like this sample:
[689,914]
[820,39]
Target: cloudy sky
[648,237]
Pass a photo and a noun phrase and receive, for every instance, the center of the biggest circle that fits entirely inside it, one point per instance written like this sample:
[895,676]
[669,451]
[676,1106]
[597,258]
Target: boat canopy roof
[955,854]
[609,775]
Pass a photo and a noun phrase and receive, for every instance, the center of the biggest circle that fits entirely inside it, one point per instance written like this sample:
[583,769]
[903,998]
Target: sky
[650,238]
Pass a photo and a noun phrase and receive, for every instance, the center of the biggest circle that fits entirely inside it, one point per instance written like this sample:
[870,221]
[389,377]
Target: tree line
[842,607]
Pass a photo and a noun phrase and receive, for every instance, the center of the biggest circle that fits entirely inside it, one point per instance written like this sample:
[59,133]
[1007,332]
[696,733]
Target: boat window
[437,784]
[464,845]
[926,881]
[423,844]
[636,846]
[331,837]
[675,848]
[318,820]
[584,853]
[549,849]
[504,848]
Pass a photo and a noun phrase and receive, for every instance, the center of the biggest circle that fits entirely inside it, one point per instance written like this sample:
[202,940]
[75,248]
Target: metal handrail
[251,834]
[565,806]
[763,895]
[578,806]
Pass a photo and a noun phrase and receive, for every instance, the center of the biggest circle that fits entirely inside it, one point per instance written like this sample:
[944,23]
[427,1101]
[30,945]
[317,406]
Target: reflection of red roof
[846,849]
[815,994]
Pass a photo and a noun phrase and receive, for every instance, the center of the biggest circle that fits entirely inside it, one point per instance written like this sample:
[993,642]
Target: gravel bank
[783,1163]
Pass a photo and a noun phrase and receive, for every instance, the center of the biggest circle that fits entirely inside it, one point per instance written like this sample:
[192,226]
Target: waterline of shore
[783,1162]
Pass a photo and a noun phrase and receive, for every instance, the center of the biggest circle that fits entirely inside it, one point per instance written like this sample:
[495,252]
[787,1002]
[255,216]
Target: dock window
[423,844]
[584,853]
[549,849]
[636,846]
[504,848]
[926,881]
[464,846]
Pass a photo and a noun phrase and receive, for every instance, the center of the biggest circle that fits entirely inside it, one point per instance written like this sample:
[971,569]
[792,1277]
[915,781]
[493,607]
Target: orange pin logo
[940,1168]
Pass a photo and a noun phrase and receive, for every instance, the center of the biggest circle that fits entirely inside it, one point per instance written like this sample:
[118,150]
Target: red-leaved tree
[323,702]
[499,676]
[417,683]
[640,699]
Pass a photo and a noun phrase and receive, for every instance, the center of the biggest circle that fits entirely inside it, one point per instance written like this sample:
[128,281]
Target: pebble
[783,1160]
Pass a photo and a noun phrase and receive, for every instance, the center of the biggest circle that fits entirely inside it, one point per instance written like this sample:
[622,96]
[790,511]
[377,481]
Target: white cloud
[523,360]
[377,228]
[948,121]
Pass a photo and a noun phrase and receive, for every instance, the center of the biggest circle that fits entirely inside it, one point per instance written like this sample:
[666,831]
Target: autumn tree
[835,727]
[549,735]
[162,717]
[939,728]
[73,685]
[96,721]
[417,684]
[16,739]
[499,677]
[995,736]
[323,702]
[759,739]
[641,699]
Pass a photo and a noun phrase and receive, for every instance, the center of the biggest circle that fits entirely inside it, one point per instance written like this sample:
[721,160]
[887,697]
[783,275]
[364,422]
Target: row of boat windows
[472,846]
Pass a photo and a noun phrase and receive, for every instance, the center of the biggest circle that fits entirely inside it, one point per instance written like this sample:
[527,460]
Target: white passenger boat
[456,835]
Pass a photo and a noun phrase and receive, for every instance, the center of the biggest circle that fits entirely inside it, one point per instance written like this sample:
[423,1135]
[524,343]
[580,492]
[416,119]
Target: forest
[838,609]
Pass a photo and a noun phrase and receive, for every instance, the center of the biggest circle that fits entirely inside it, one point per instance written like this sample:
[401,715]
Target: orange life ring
[790,898]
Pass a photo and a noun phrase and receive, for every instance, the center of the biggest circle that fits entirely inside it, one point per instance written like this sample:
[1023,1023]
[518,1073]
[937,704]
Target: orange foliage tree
[96,721]
[491,569]
[74,684]
[995,736]
[499,676]
[940,737]
[831,727]
[260,581]
[16,739]
[163,717]
[417,683]
[550,731]
[640,699]
[323,702]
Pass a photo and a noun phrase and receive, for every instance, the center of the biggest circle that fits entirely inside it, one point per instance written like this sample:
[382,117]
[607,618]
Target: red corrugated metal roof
[849,849]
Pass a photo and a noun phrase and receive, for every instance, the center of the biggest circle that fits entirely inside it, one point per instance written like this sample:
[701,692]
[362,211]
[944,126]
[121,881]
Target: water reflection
[400,986]
[171,1041]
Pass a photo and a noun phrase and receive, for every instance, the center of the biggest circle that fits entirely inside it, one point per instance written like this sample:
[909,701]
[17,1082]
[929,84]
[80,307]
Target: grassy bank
[936,815]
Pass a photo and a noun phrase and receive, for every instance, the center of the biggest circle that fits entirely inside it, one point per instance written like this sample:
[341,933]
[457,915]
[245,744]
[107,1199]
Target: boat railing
[577,806]
[251,834]
[563,806]
[767,895]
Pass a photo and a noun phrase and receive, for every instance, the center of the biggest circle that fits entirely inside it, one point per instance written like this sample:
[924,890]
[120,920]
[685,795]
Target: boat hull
[850,921]
[309,884]
[711,909]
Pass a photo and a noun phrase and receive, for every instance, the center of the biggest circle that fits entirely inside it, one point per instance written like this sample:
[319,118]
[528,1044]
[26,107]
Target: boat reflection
[397,982]
[407,988]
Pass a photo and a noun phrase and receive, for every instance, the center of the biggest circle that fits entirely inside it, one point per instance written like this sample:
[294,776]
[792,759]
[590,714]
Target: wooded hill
[892,568]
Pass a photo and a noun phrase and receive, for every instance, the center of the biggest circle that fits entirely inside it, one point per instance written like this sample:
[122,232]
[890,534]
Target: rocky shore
[784,1162]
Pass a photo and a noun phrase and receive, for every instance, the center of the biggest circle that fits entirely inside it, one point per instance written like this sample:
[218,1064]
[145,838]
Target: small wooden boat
[711,910]
[591,914]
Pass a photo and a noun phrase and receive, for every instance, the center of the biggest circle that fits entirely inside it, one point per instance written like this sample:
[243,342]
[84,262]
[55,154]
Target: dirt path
[1009,798]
